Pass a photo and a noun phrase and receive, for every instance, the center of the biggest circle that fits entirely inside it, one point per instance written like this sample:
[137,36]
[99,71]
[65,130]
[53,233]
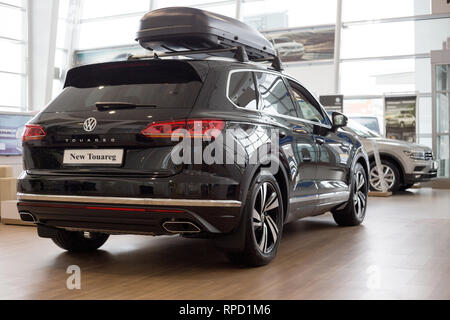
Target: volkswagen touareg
[224,148]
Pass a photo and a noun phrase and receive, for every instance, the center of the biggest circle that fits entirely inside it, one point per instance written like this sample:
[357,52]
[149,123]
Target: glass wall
[65,28]
[108,32]
[393,38]
[442,96]
[385,50]
[13,45]
[425,122]
[357,10]
[112,23]
[107,8]
[280,14]
[385,45]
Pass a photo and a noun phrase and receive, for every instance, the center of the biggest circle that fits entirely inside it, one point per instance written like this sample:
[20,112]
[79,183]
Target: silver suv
[403,163]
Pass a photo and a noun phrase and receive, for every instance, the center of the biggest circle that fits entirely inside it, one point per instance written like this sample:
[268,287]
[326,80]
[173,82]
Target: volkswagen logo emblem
[90,124]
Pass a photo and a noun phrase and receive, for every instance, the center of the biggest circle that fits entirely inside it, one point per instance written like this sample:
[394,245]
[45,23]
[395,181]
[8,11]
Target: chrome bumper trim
[339,196]
[130,201]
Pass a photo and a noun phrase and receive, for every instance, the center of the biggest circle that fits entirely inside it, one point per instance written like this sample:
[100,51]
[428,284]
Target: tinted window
[361,130]
[165,85]
[242,90]
[369,122]
[307,109]
[275,96]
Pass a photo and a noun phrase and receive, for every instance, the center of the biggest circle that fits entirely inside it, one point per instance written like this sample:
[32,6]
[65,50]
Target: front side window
[307,109]
[275,96]
[242,90]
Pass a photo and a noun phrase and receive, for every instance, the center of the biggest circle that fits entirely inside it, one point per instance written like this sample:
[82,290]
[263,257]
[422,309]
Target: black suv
[104,157]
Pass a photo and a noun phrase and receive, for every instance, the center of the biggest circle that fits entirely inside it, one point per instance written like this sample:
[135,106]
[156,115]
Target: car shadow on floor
[167,253]
[171,263]
[404,193]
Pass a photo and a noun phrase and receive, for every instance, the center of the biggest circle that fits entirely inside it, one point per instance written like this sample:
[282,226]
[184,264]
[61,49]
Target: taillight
[192,128]
[33,132]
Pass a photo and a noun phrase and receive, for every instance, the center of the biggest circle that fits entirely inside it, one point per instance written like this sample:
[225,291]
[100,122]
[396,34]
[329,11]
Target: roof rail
[240,54]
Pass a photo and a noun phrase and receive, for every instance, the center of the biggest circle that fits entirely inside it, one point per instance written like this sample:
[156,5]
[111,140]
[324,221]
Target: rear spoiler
[121,72]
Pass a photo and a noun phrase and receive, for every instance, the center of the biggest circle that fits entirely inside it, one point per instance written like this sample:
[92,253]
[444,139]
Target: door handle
[320,141]
[300,130]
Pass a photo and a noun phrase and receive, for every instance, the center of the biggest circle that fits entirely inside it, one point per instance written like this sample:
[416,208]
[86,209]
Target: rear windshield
[163,84]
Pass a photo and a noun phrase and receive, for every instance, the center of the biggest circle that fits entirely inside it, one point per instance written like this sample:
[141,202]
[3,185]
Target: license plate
[93,157]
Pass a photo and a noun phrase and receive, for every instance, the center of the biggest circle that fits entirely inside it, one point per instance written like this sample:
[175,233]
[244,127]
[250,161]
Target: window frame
[286,79]
[312,100]
[255,83]
[283,78]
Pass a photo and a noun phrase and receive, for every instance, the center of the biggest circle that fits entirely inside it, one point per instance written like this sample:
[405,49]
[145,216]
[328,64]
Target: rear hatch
[95,125]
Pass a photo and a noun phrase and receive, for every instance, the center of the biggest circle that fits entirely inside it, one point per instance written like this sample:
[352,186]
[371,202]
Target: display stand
[384,188]
[8,195]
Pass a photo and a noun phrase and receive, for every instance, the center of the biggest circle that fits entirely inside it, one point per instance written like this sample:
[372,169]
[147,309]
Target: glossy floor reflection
[401,252]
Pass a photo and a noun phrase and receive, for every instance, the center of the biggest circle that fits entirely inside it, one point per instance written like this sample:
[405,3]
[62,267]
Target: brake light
[33,132]
[195,129]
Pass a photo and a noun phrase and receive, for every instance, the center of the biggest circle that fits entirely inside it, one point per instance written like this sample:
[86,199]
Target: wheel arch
[235,241]
[283,184]
[361,158]
[392,159]
[364,164]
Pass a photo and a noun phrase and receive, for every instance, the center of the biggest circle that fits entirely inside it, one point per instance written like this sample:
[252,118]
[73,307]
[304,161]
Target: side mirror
[339,120]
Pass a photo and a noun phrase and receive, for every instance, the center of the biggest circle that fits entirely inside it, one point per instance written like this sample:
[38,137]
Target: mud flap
[47,232]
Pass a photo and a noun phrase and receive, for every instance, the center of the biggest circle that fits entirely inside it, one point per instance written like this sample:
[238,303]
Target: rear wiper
[105,106]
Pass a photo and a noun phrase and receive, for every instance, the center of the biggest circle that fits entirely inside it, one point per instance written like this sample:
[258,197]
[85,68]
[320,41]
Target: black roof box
[179,29]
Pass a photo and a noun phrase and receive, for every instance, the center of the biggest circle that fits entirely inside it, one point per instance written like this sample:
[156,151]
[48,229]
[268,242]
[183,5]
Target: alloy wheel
[360,195]
[375,179]
[266,218]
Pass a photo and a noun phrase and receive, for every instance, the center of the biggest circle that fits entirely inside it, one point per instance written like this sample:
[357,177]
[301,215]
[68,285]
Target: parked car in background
[402,120]
[288,47]
[403,163]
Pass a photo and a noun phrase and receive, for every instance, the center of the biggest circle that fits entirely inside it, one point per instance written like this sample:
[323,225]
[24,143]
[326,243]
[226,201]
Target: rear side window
[275,95]
[163,84]
[242,90]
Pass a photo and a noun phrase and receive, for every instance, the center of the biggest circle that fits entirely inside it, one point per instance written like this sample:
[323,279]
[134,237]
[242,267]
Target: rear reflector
[33,132]
[189,128]
[85,207]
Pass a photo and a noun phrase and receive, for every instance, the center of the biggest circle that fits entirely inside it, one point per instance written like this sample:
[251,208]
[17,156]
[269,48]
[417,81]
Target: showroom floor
[401,252]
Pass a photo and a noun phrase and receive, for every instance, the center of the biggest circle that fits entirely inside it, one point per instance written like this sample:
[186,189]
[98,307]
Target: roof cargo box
[179,29]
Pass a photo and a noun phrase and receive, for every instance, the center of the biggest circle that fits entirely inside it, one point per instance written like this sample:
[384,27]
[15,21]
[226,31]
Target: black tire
[79,242]
[253,255]
[353,213]
[395,187]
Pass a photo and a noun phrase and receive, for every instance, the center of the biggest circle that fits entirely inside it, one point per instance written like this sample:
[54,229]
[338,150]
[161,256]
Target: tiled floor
[401,252]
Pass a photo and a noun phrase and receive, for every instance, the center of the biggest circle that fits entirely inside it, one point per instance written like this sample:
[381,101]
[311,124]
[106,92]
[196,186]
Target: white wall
[14,161]
[317,78]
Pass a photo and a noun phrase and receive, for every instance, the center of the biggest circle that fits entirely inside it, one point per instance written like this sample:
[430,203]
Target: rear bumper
[130,215]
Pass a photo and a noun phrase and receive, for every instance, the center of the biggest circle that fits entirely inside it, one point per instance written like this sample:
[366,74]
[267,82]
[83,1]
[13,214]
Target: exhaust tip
[27,217]
[179,227]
